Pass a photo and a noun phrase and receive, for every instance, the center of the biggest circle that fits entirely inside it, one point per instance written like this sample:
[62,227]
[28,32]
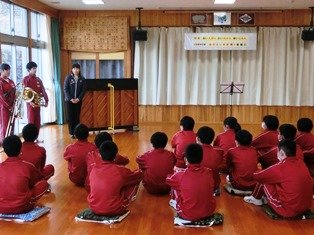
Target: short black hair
[244,137]
[271,122]
[194,153]
[206,134]
[288,146]
[102,137]
[12,146]
[187,123]
[81,132]
[108,150]
[232,122]
[76,65]
[5,66]
[305,125]
[159,140]
[288,131]
[31,65]
[30,132]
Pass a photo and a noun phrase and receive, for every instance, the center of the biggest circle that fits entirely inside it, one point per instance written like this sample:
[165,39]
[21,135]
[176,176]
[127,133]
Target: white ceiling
[179,4]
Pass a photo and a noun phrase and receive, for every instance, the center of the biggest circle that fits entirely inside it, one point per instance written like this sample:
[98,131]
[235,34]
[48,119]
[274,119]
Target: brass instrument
[31,96]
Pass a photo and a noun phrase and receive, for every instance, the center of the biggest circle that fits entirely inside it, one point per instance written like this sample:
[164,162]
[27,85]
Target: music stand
[226,88]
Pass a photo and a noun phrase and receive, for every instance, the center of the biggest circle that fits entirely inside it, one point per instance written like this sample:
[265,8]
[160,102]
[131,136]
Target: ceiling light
[92,2]
[224,1]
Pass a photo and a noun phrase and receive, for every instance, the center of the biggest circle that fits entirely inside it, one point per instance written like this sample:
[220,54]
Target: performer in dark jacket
[74,89]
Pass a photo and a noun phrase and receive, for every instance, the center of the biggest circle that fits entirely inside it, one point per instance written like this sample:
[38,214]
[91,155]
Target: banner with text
[220,41]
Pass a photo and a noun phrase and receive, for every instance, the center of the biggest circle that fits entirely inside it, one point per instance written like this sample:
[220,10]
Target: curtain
[278,72]
[55,42]
[48,114]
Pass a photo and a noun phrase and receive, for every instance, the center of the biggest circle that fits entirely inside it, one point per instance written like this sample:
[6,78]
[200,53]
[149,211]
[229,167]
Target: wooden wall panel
[246,114]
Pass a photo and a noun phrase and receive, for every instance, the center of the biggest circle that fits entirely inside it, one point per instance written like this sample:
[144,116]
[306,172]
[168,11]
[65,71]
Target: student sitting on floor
[242,162]
[112,187]
[286,131]
[21,184]
[193,187]
[286,185]
[304,138]
[181,139]
[212,156]
[75,154]
[94,157]
[33,153]
[156,165]
[226,139]
[269,137]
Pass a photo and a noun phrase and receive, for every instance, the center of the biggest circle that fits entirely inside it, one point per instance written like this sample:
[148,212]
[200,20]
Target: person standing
[74,90]
[35,83]
[7,97]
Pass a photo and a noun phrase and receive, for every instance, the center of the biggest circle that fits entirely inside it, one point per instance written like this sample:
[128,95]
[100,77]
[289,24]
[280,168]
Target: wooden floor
[149,214]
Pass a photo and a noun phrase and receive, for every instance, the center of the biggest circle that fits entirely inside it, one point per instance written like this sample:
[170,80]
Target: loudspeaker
[308,34]
[139,35]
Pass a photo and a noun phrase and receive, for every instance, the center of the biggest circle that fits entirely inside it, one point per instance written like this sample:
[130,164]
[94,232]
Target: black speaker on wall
[139,35]
[308,34]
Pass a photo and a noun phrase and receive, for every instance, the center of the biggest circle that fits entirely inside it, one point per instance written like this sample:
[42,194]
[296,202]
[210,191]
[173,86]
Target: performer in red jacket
[21,184]
[156,165]
[7,96]
[242,162]
[33,153]
[269,137]
[112,187]
[75,154]
[193,187]
[181,139]
[35,83]
[93,157]
[287,185]
[212,156]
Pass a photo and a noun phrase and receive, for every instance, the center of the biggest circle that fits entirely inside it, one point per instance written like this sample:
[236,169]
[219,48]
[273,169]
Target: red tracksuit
[93,158]
[305,141]
[194,192]
[242,161]
[212,158]
[156,165]
[270,158]
[265,141]
[35,154]
[226,141]
[21,184]
[111,188]
[179,142]
[7,96]
[76,154]
[287,185]
[33,114]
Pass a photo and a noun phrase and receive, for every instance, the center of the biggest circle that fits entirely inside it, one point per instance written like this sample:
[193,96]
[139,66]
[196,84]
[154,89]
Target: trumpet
[31,96]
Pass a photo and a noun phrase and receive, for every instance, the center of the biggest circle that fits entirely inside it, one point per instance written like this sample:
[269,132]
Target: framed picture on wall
[246,18]
[222,18]
[198,19]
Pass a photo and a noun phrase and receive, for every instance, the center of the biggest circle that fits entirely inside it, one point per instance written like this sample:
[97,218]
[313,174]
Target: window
[20,21]
[5,18]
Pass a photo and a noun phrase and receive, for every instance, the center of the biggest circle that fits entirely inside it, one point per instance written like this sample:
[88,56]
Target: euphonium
[31,96]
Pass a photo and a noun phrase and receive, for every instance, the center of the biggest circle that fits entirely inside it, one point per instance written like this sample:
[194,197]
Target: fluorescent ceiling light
[92,2]
[224,1]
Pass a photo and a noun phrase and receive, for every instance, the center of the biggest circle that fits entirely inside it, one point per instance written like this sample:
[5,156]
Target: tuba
[31,96]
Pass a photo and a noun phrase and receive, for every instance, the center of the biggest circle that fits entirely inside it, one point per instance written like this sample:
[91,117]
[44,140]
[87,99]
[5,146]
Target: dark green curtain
[55,41]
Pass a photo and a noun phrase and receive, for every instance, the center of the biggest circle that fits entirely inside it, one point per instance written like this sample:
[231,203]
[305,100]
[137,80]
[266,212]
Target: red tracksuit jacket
[179,142]
[305,141]
[194,192]
[265,141]
[242,161]
[109,184]
[156,165]
[212,158]
[288,186]
[75,154]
